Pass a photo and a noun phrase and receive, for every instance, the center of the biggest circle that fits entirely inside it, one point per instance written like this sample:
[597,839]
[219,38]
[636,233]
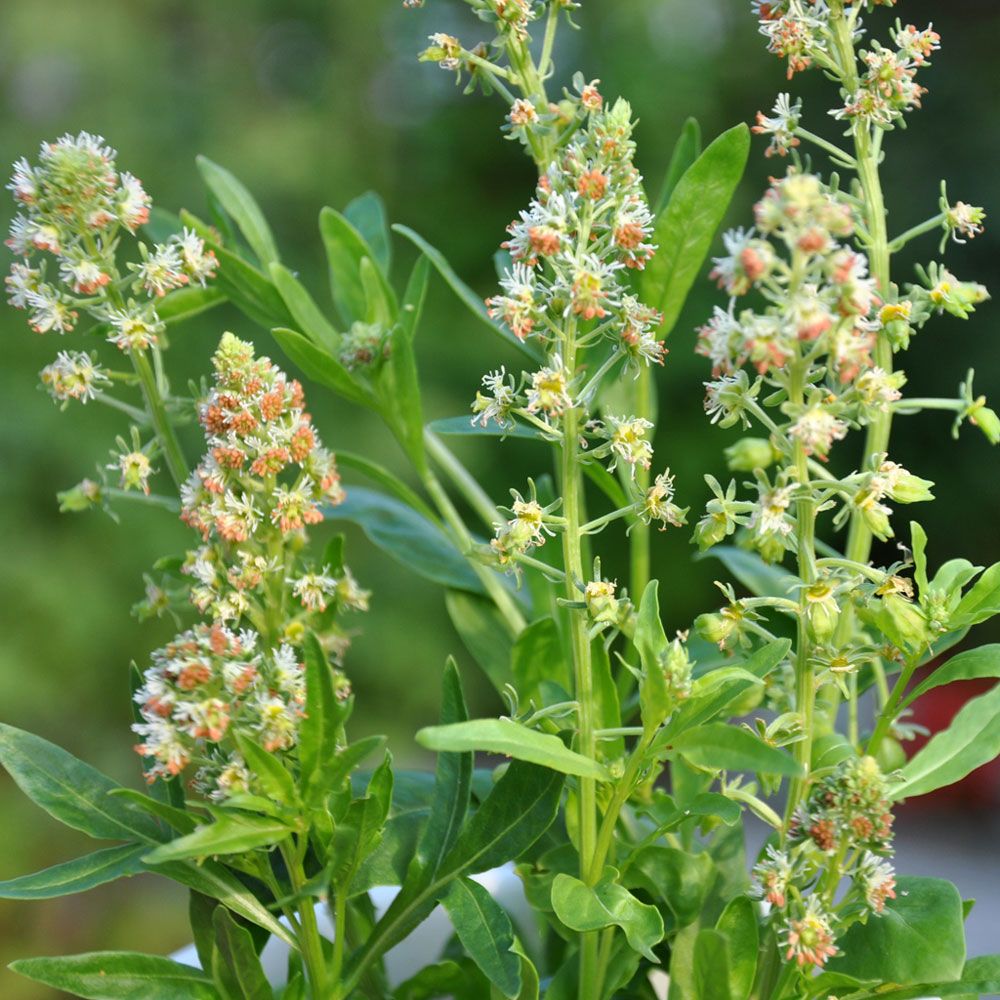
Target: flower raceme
[75,207]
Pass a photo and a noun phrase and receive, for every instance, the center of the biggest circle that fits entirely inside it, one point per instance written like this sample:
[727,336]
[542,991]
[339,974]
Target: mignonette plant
[634,758]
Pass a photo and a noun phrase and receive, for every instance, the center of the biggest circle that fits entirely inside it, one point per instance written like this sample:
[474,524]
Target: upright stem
[639,539]
[867,155]
[582,672]
[310,942]
[805,539]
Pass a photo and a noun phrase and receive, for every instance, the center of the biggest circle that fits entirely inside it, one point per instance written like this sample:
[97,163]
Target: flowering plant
[634,757]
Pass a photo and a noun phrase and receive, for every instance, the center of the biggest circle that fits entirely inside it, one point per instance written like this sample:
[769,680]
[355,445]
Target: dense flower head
[209,684]
[851,806]
[265,462]
[808,940]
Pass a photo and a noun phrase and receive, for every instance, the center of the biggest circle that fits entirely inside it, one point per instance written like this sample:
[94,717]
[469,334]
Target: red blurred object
[935,710]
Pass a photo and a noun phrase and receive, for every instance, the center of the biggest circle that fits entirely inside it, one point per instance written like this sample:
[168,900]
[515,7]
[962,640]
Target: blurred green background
[311,103]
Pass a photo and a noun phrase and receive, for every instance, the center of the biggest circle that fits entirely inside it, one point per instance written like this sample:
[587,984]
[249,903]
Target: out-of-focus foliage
[312,103]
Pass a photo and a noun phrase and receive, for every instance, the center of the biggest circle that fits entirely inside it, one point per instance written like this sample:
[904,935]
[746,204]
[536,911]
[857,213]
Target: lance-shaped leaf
[77,875]
[184,303]
[505,736]
[585,908]
[485,634]
[686,227]
[462,290]
[919,938]
[452,783]
[118,975]
[973,664]
[345,250]
[981,602]
[235,961]
[407,536]
[686,151]
[486,933]
[321,725]
[320,366]
[727,748]
[368,216]
[234,197]
[307,315]
[972,739]
[738,922]
[412,307]
[230,834]
[400,391]
[651,643]
[387,480]
[71,791]
[519,809]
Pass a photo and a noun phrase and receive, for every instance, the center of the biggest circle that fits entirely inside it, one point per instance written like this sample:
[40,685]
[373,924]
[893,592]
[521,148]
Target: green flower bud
[987,421]
[822,611]
[907,621]
[908,488]
[714,628]
[599,596]
[712,529]
[749,453]
[83,496]
[677,670]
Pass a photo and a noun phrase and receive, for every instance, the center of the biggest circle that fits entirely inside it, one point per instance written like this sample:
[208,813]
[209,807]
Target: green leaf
[918,537]
[452,782]
[173,816]
[729,748]
[919,938]
[118,975]
[486,933]
[400,391]
[71,791]
[504,736]
[464,427]
[77,875]
[760,578]
[389,862]
[980,977]
[686,151]
[448,978]
[323,368]
[321,724]
[358,832]
[712,972]
[413,298]
[245,286]
[585,908]
[462,290]
[184,303]
[409,537]
[519,809]
[538,656]
[307,315]
[230,834]
[972,739]
[484,633]
[651,643]
[387,480]
[738,923]
[969,665]
[686,227]
[680,879]
[981,602]
[242,208]
[345,250]
[239,966]
[367,214]
[268,770]
[212,879]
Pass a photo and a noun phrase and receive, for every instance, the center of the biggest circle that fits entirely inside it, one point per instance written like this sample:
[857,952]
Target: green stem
[476,497]
[925,227]
[339,936]
[888,714]
[310,942]
[805,538]
[583,677]
[165,434]
[641,535]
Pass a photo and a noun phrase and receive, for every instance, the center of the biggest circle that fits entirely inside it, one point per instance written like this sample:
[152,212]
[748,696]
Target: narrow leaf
[504,736]
[686,151]
[307,315]
[118,975]
[686,227]
[973,664]
[486,933]
[727,748]
[71,791]
[323,368]
[462,290]
[77,875]
[242,974]
[227,835]
[242,208]
[368,216]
